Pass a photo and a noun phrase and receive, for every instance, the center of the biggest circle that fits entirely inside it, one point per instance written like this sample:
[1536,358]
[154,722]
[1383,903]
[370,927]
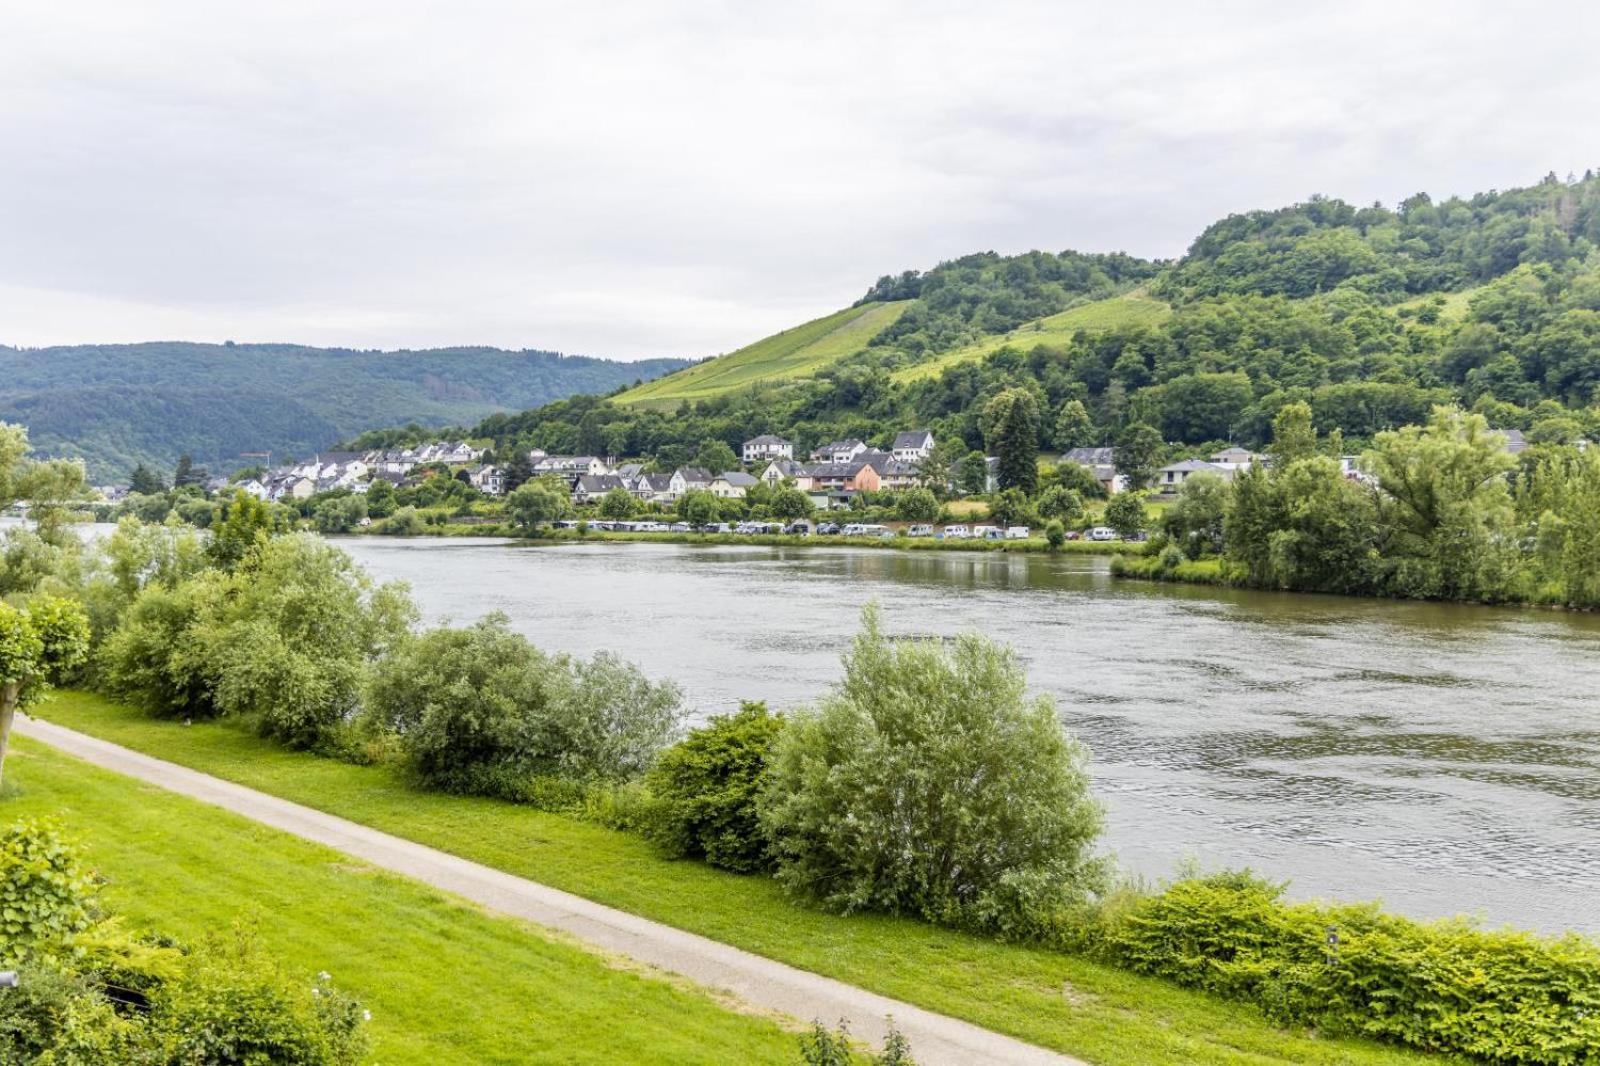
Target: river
[1445,759]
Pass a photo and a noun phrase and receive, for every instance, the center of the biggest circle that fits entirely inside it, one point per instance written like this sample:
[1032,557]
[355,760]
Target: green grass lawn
[1097,1012]
[1131,309]
[446,983]
[794,353]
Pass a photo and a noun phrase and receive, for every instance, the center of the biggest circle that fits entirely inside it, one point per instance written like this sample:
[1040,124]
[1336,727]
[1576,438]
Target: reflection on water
[1444,758]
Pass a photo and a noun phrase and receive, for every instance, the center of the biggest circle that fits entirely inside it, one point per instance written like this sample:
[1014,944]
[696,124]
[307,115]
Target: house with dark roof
[685,478]
[591,487]
[780,470]
[1171,477]
[852,476]
[913,446]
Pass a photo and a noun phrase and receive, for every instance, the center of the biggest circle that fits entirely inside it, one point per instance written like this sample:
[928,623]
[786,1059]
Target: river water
[1445,759]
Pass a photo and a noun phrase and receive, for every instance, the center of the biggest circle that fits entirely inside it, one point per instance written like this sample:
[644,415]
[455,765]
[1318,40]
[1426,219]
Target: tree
[188,474]
[518,470]
[974,474]
[1073,426]
[618,504]
[1061,503]
[917,505]
[1138,447]
[38,644]
[146,482]
[381,502]
[532,504]
[1055,534]
[1012,436]
[716,456]
[246,524]
[698,508]
[340,514]
[789,504]
[1194,521]
[704,791]
[1293,436]
[1010,507]
[1445,507]
[940,468]
[1125,514]
[928,783]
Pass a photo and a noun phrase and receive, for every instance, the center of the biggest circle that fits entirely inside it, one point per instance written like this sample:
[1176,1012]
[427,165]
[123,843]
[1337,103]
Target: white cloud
[649,178]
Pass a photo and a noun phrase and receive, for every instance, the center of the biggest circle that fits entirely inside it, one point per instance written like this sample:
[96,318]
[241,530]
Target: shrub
[927,783]
[1444,986]
[45,894]
[482,710]
[155,660]
[233,1004]
[705,790]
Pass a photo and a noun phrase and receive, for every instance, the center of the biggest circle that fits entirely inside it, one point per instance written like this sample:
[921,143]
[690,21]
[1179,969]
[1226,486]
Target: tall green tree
[618,504]
[1293,436]
[1138,449]
[146,482]
[534,504]
[1012,435]
[1073,426]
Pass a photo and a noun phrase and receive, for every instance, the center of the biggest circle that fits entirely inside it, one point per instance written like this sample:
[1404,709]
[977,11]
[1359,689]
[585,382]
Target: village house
[780,470]
[685,478]
[1101,463]
[571,467]
[767,447]
[732,484]
[291,485]
[651,488]
[913,447]
[591,487]
[838,451]
[1171,477]
[488,479]
[850,476]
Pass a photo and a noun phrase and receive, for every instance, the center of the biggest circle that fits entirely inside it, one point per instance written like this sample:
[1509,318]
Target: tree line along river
[1443,758]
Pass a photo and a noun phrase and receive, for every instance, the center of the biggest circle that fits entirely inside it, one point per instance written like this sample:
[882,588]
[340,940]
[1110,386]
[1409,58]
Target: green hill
[1135,308]
[119,405]
[788,356]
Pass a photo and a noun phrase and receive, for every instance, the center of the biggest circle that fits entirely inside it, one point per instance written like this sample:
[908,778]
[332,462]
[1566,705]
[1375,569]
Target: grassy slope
[1097,1012]
[1130,309]
[445,982]
[794,353]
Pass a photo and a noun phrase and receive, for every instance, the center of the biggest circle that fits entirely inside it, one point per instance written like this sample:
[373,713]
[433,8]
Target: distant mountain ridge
[119,405]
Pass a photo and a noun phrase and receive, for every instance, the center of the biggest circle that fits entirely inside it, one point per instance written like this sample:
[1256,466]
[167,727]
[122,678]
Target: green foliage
[1194,521]
[1011,422]
[699,507]
[1445,987]
[480,709]
[619,503]
[1126,514]
[340,514]
[789,504]
[1011,508]
[46,896]
[821,1046]
[1055,534]
[927,783]
[246,523]
[224,1002]
[705,789]
[533,504]
[1138,451]
[1062,504]
[917,505]
[1073,428]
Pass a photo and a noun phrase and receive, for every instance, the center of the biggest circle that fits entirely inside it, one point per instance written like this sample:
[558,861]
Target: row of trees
[1443,512]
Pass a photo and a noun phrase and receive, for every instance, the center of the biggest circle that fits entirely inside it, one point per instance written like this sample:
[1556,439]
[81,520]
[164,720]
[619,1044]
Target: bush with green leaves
[821,1046]
[705,787]
[480,709]
[224,1001]
[285,639]
[1446,987]
[928,783]
[38,643]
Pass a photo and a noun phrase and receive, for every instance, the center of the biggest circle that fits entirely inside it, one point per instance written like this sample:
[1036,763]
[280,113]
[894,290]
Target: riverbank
[1056,1000]
[778,540]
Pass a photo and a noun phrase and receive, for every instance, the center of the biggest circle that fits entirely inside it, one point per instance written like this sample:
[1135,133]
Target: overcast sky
[680,179]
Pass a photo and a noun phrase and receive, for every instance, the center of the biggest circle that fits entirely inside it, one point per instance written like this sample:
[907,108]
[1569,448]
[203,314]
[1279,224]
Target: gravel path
[935,1039]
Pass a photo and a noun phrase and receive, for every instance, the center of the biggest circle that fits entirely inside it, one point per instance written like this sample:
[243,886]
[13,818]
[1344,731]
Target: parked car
[920,531]
[716,527]
[652,527]
[988,533]
[1102,533]
[957,532]
[1073,534]
[1018,532]
[828,529]
[798,529]
[681,527]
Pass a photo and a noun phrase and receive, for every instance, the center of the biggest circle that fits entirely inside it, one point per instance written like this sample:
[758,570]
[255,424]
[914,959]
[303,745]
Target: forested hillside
[120,405]
[1370,315]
